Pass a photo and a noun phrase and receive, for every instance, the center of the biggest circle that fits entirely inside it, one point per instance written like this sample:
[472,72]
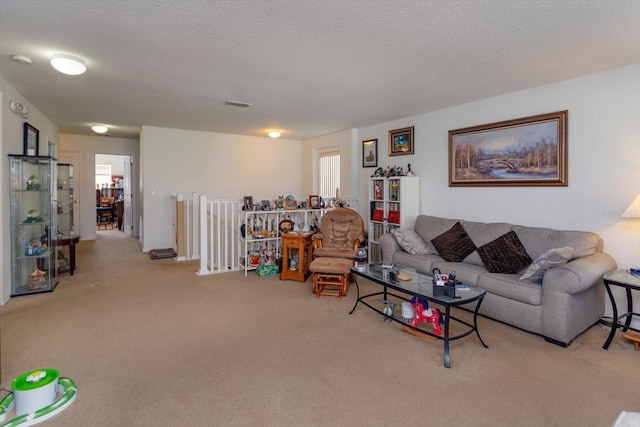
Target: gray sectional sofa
[563,302]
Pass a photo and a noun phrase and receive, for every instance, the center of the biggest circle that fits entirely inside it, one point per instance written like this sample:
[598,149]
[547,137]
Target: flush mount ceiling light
[274,133]
[99,128]
[68,64]
[21,59]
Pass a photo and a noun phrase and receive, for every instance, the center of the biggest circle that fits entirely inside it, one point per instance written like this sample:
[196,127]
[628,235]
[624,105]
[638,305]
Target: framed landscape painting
[401,141]
[531,151]
[370,153]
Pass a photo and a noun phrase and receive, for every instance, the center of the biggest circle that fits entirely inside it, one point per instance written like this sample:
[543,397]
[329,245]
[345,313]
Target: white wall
[116,162]
[11,139]
[603,153]
[86,147]
[219,165]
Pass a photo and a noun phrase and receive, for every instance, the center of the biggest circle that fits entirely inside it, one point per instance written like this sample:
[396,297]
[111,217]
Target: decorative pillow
[454,244]
[546,261]
[410,242]
[504,254]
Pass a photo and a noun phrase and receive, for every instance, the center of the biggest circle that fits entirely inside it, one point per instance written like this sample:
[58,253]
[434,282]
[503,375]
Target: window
[103,174]
[328,173]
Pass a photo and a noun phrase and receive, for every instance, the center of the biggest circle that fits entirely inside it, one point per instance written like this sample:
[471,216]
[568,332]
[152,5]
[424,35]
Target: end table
[300,245]
[629,282]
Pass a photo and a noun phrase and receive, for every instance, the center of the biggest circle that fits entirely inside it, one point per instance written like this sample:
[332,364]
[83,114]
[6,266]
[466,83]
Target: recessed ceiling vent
[238,103]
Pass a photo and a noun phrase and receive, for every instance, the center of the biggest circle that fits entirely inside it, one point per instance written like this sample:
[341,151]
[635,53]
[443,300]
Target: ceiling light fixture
[274,133]
[68,64]
[100,128]
[21,59]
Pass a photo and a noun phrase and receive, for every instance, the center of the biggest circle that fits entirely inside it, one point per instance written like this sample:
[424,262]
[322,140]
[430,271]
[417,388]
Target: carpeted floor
[150,343]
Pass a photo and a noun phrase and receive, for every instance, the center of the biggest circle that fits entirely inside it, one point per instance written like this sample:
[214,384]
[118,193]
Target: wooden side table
[630,283]
[296,247]
[71,242]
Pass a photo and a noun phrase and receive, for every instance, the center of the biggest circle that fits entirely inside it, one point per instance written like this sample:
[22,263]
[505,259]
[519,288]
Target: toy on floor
[425,314]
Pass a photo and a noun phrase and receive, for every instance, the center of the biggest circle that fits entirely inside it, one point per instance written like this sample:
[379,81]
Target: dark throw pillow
[454,244]
[505,254]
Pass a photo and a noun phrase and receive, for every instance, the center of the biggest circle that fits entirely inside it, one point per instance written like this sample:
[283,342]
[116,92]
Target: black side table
[629,282]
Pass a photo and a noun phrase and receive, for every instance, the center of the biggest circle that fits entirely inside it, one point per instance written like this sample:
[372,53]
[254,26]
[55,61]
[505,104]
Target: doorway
[113,182]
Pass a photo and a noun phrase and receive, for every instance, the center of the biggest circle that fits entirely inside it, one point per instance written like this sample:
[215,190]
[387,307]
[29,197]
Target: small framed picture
[370,153]
[401,141]
[31,137]
[247,203]
[290,204]
[314,202]
[266,205]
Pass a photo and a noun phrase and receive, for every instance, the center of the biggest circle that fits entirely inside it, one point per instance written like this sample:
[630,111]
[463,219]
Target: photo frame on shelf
[401,141]
[530,151]
[370,153]
[290,204]
[314,202]
[247,203]
[31,139]
[266,205]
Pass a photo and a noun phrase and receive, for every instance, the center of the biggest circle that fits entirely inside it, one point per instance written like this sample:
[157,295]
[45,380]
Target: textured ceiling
[308,67]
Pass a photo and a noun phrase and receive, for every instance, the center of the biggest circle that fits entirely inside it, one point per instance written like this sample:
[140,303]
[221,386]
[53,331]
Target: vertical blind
[329,173]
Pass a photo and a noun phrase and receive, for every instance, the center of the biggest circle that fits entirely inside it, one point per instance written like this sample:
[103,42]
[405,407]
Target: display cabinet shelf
[33,224]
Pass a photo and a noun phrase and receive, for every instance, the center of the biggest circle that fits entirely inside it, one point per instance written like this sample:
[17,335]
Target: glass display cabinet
[33,224]
[64,183]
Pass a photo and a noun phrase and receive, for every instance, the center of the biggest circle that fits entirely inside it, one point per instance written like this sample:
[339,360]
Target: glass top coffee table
[418,285]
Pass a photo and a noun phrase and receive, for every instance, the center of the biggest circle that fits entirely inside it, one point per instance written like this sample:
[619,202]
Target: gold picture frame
[401,141]
[530,151]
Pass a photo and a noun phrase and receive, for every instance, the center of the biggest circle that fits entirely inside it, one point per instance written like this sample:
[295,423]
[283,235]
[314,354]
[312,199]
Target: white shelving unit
[394,202]
[259,237]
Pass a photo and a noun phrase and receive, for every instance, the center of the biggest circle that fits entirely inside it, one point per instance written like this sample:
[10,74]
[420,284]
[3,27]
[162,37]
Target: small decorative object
[31,136]
[360,257]
[34,247]
[34,216]
[293,264]
[36,279]
[290,204]
[370,153]
[408,312]
[33,183]
[393,191]
[339,203]
[280,203]
[401,141]
[285,226]
[266,205]
[409,171]
[314,202]
[247,203]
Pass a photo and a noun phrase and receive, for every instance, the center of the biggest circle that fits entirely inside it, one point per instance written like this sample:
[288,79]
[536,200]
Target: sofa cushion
[539,240]
[429,227]
[482,233]
[504,254]
[508,286]
[410,242]
[547,260]
[454,244]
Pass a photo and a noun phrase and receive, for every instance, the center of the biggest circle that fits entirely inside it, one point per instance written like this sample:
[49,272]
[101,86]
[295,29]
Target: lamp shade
[633,211]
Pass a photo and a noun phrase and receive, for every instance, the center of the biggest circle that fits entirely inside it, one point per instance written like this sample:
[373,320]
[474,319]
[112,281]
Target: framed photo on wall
[370,153]
[31,137]
[401,141]
[531,151]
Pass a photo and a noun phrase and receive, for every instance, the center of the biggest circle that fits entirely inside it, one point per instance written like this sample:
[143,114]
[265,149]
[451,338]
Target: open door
[126,187]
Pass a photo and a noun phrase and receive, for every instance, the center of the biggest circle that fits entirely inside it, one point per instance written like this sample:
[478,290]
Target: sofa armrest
[388,246]
[579,274]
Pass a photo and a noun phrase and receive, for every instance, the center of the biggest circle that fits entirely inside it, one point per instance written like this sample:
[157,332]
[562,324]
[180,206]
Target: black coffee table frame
[419,286]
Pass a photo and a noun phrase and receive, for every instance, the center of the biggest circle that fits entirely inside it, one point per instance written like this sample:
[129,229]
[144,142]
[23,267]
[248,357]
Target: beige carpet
[150,343]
